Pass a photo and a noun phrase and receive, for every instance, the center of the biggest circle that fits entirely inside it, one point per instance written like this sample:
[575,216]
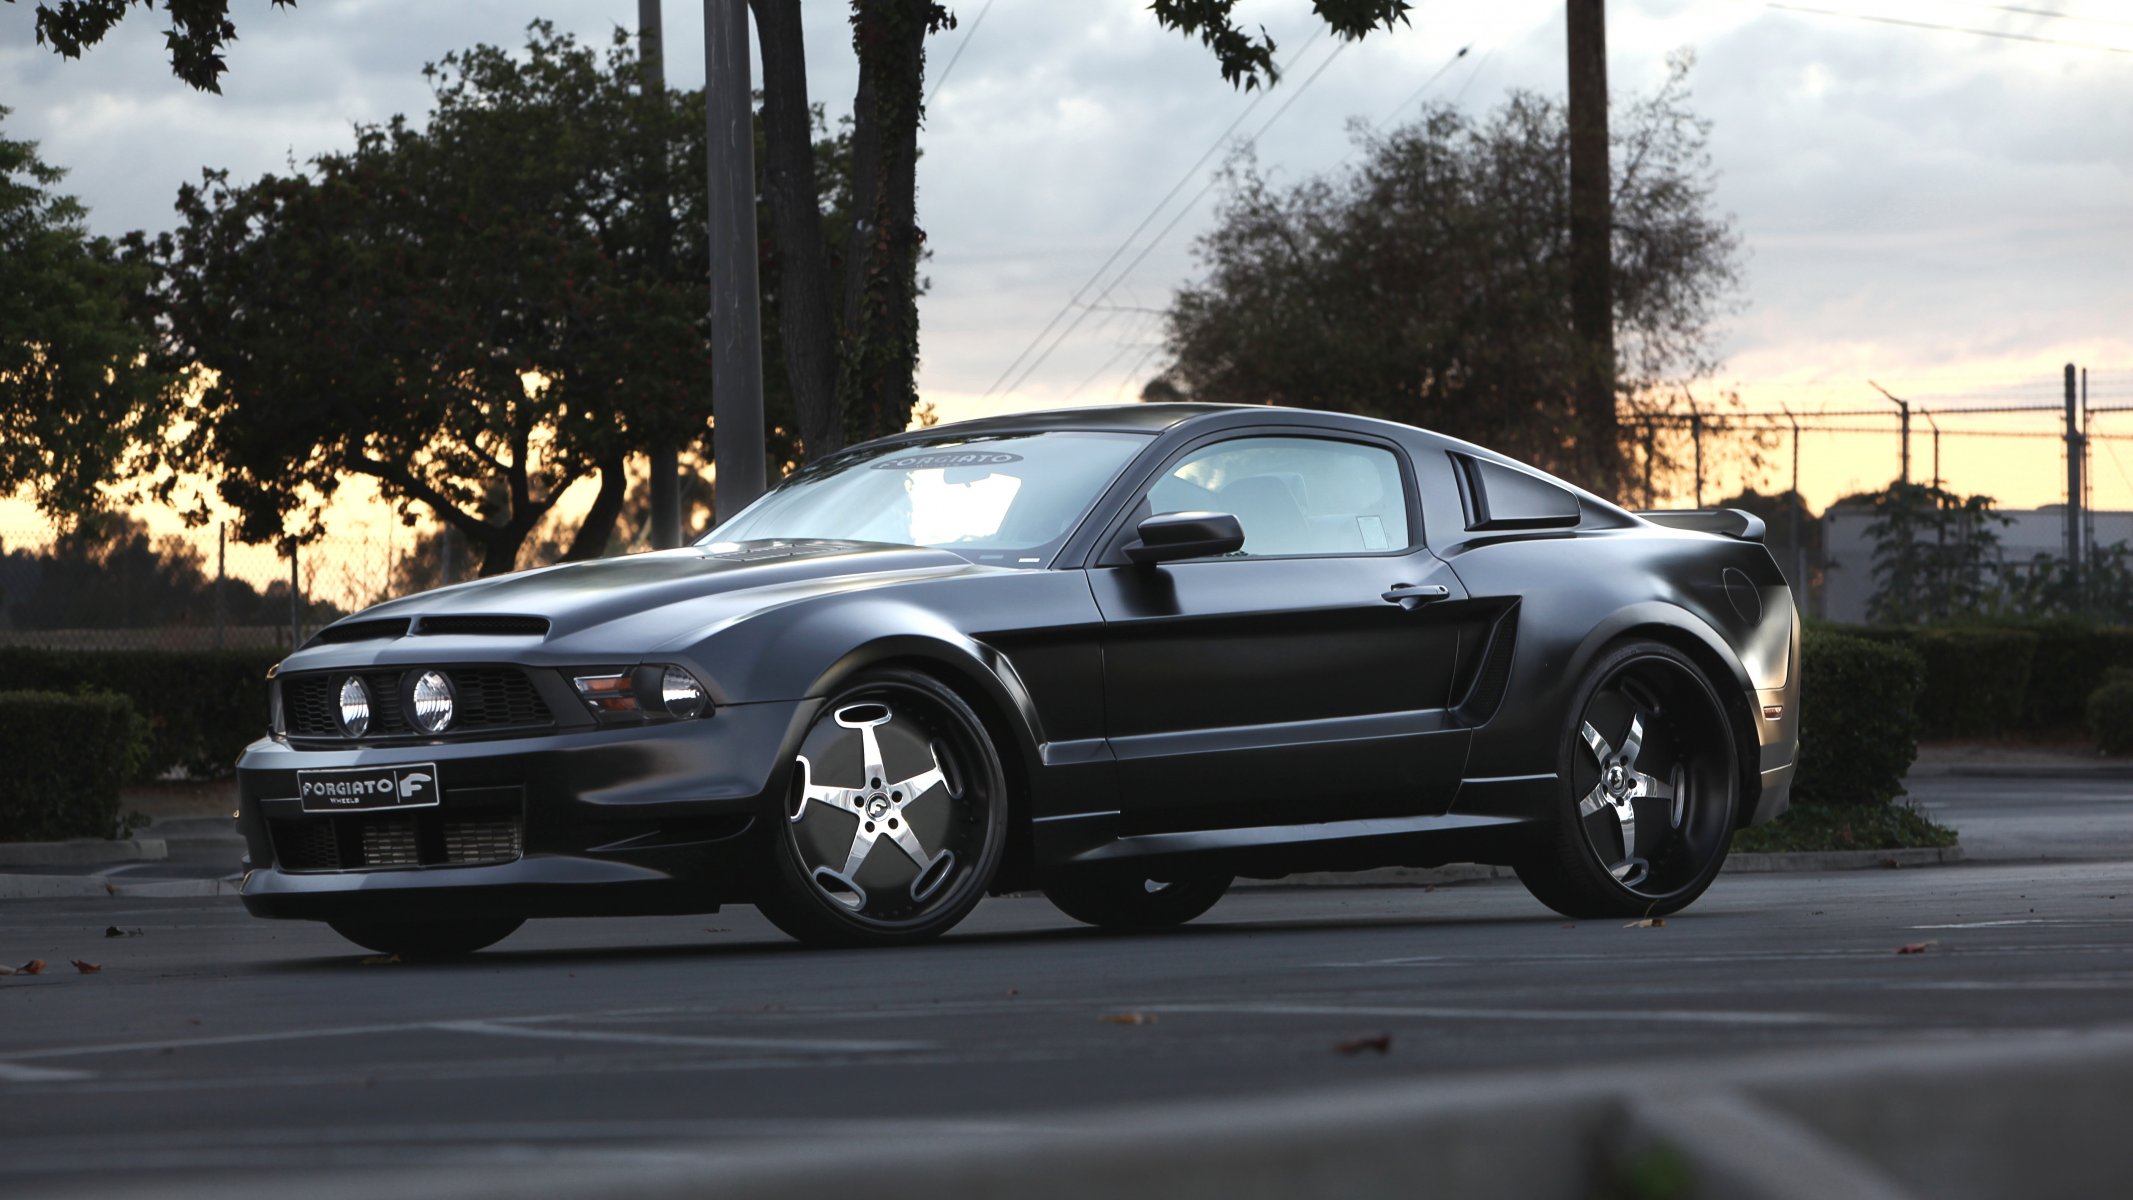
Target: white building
[1848,551]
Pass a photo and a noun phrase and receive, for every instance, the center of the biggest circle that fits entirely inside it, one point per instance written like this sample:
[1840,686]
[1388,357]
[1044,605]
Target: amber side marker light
[1772,712]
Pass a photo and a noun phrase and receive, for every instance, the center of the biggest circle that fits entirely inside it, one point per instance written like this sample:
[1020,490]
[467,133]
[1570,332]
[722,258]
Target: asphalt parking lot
[211,1045]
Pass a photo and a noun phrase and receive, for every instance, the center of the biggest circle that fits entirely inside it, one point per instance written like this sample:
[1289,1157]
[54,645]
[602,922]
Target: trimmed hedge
[2110,712]
[1858,718]
[2073,660]
[201,707]
[65,756]
[1977,680]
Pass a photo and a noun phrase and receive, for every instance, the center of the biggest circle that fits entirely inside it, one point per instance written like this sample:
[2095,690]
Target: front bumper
[584,822]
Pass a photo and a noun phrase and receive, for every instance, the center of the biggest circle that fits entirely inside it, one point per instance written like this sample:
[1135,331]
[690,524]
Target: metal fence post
[296,603]
[222,559]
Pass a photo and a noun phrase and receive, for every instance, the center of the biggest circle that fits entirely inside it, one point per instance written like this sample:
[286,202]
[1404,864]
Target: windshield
[1008,499]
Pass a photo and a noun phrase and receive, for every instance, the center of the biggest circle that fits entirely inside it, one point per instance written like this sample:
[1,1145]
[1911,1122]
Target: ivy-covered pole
[736,322]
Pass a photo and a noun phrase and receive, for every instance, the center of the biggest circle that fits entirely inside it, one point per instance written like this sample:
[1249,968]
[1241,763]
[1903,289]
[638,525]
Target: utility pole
[1696,434]
[1792,512]
[1905,406]
[665,455]
[1592,306]
[2073,481]
[736,319]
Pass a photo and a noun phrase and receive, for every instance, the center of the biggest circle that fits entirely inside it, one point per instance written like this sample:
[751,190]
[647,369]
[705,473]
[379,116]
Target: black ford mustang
[1122,655]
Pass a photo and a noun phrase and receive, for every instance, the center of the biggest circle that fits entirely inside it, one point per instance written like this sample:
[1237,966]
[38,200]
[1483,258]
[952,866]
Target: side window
[1294,495]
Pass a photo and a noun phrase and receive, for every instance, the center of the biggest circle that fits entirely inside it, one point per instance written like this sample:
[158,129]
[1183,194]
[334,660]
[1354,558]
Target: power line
[2064,16]
[1426,85]
[1175,188]
[957,57]
[1991,33]
[1164,232]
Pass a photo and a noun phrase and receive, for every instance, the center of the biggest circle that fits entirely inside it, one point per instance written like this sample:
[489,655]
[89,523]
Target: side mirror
[1168,537]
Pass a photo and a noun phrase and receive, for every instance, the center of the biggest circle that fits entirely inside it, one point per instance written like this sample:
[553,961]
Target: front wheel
[1129,900]
[896,819]
[428,939]
[1651,785]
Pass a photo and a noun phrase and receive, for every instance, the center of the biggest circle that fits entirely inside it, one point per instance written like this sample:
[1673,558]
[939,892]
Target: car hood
[639,602]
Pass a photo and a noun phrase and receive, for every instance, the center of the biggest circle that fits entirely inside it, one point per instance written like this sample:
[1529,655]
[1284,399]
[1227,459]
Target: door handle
[1411,596]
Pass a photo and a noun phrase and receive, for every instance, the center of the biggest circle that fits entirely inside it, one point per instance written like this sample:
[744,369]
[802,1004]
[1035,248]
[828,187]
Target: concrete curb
[2102,770]
[72,887]
[82,852]
[2035,1114]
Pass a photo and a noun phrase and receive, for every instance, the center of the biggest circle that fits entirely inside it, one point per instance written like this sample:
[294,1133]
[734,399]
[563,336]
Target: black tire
[428,939]
[1651,789]
[854,866]
[1131,900]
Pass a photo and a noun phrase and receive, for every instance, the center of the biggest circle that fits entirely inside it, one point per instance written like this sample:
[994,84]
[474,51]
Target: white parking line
[797,1045]
[1685,1016]
[10,1073]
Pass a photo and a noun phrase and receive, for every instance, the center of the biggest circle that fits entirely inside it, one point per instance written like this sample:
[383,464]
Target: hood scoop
[483,626]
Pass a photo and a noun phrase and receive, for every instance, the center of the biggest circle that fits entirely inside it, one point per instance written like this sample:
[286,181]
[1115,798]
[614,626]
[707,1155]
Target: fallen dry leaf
[33,967]
[1647,923]
[380,960]
[86,968]
[115,931]
[7,970]
[1132,1018]
[110,888]
[1916,947]
[1379,1043]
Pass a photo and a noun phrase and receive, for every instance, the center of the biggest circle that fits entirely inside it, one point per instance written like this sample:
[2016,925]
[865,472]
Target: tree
[1428,284]
[1936,554]
[199,29]
[851,349]
[76,387]
[477,312]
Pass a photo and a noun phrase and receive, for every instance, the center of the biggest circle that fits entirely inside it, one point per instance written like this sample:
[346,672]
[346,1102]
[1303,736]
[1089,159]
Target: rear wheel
[896,819]
[1130,900]
[428,939]
[1651,787]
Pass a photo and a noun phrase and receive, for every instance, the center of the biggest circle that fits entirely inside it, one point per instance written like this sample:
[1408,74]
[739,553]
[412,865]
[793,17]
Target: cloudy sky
[1948,213]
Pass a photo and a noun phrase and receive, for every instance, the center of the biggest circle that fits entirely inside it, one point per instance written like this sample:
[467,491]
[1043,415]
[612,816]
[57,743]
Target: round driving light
[682,695]
[355,706]
[433,702]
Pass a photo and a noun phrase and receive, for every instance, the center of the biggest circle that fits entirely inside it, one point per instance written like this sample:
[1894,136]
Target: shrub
[2071,662]
[201,707]
[2110,712]
[1858,718]
[1977,680]
[66,756]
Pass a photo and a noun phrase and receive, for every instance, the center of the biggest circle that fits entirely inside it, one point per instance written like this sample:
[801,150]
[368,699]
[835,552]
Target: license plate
[366,789]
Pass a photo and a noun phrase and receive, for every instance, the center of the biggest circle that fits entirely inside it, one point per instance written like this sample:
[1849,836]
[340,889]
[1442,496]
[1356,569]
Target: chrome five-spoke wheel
[1652,788]
[895,821]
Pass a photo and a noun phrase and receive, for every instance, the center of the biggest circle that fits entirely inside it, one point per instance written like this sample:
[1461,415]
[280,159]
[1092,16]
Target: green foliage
[2071,660]
[66,752]
[200,708]
[1977,680]
[1431,283]
[1248,61]
[1858,719]
[2109,712]
[1935,555]
[199,29]
[1844,827]
[76,390]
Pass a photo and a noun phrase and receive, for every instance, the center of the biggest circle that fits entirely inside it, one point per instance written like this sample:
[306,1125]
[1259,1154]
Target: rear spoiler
[1736,523]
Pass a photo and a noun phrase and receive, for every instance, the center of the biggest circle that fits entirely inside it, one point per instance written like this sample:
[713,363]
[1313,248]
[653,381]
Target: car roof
[1110,418]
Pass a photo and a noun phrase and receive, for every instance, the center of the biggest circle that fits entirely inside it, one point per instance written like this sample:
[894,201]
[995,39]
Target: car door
[1305,678]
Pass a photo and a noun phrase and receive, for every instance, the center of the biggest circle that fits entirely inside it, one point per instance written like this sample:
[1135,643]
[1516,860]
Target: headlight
[682,695]
[655,691]
[355,706]
[433,702]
